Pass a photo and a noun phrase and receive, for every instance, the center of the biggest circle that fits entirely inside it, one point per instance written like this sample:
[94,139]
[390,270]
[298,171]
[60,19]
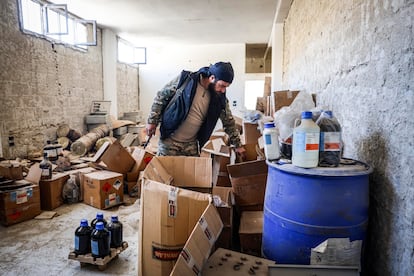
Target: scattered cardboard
[46,215]
[117,158]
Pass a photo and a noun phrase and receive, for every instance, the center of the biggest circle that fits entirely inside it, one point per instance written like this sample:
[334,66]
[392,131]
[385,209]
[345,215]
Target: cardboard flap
[217,147]
[157,172]
[117,158]
[34,174]
[185,170]
[200,243]
[247,168]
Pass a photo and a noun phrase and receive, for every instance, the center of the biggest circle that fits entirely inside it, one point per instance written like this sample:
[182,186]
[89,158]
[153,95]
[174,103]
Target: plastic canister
[83,238]
[271,141]
[100,241]
[305,147]
[330,145]
[99,218]
[115,227]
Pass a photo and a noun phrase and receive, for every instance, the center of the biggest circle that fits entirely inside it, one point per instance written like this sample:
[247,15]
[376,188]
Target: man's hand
[241,154]
[151,129]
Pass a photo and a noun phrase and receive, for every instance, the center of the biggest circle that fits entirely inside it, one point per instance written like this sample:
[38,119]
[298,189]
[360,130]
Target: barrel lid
[347,167]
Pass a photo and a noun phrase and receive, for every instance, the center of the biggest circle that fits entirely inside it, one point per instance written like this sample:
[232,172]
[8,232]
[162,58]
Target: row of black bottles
[99,237]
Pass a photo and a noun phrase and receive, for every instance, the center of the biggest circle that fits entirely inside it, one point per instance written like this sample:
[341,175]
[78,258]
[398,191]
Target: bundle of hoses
[85,143]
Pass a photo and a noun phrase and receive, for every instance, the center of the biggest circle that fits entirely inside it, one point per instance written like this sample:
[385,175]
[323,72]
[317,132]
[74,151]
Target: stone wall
[43,84]
[357,56]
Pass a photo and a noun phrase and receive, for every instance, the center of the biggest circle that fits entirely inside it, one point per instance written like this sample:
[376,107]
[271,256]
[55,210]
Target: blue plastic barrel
[304,207]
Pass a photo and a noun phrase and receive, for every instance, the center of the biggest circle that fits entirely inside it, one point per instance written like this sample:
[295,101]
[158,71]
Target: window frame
[56,38]
[133,49]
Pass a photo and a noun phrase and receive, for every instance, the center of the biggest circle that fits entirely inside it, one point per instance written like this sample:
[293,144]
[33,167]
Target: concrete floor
[41,247]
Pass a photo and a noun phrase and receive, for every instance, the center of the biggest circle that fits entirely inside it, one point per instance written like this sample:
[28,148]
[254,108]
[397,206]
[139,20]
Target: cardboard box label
[165,253]
[117,184]
[172,202]
[21,196]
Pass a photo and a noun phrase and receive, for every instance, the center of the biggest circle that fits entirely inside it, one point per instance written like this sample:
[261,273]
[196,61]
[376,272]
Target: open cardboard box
[248,180]
[172,215]
[20,201]
[114,158]
[222,156]
[178,229]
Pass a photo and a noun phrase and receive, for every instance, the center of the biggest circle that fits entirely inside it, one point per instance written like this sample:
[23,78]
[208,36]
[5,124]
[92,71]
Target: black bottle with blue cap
[83,238]
[99,217]
[100,241]
[115,227]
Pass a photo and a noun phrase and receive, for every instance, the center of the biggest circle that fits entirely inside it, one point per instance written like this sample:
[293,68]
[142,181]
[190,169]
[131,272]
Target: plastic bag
[70,190]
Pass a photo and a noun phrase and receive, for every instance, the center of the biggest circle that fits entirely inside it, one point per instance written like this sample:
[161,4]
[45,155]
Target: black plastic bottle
[330,146]
[115,227]
[83,238]
[99,217]
[100,241]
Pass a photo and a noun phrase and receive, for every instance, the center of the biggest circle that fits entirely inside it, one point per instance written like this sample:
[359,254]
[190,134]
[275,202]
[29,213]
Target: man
[188,108]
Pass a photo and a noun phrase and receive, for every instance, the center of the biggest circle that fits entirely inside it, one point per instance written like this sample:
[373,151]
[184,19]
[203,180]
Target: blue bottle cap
[84,223]
[99,226]
[114,218]
[269,125]
[306,115]
[99,215]
[329,113]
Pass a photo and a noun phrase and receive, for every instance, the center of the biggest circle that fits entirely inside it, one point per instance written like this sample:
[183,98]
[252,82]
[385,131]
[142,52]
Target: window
[130,54]
[54,22]
[252,90]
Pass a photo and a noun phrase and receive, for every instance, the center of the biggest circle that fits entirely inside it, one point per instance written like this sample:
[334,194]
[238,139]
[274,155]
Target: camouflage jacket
[218,108]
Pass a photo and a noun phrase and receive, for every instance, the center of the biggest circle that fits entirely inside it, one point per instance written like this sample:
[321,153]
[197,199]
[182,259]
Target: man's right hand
[151,128]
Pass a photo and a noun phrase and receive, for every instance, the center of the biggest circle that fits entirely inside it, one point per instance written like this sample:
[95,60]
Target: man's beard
[211,88]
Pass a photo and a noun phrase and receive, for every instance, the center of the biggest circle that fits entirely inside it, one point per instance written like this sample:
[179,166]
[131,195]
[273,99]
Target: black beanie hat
[222,71]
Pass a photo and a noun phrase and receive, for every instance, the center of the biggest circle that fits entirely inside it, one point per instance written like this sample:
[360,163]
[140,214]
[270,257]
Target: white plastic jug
[305,147]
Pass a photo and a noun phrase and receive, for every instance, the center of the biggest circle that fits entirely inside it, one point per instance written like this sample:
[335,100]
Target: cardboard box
[223,261]
[248,180]
[142,158]
[168,216]
[19,202]
[225,208]
[116,158]
[180,171]
[250,133]
[222,156]
[51,191]
[103,189]
[226,212]
[225,240]
[250,232]
[283,98]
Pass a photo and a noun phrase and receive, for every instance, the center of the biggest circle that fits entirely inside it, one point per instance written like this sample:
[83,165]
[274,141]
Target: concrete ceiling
[148,22]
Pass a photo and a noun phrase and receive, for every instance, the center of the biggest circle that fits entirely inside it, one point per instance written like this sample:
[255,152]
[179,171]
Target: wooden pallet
[100,262]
